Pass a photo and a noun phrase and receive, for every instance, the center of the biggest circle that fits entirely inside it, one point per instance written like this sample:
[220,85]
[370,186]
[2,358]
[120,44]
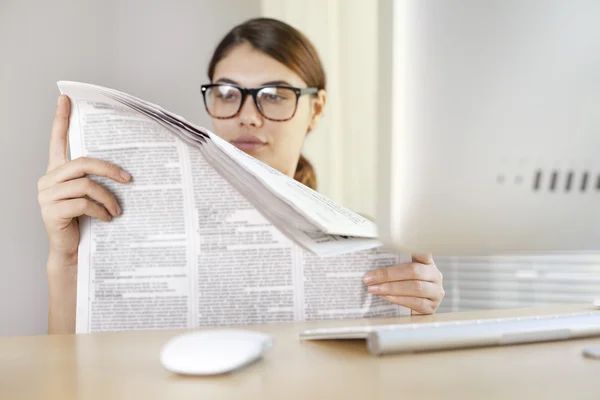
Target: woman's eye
[227,96]
[273,97]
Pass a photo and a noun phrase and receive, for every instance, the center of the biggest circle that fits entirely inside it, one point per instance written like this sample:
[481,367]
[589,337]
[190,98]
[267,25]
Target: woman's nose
[249,114]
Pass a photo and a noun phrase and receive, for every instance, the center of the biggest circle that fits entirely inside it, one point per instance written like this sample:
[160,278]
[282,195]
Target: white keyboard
[402,338]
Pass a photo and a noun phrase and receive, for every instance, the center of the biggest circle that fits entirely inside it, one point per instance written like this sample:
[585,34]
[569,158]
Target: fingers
[58,137]
[416,304]
[416,285]
[421,289]
[422,258]
[81,167]
[68,209]
[80,188]
[403,272]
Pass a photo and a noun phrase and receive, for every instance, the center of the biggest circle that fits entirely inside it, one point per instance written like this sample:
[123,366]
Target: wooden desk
[125,365]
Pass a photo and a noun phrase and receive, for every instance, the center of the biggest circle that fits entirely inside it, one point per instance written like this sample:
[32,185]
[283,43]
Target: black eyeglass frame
[254,92]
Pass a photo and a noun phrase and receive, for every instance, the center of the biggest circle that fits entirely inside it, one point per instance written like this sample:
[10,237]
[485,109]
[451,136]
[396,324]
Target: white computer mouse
[213,352]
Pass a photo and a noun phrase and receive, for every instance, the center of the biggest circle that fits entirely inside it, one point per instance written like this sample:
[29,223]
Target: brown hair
[286,45]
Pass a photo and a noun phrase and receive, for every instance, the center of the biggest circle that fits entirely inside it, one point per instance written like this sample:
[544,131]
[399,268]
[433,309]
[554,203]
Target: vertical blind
[481,283]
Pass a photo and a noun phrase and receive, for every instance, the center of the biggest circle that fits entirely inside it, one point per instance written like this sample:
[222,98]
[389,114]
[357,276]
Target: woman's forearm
[62,293]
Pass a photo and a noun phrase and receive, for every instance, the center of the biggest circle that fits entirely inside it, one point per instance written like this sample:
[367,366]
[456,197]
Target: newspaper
[209,236]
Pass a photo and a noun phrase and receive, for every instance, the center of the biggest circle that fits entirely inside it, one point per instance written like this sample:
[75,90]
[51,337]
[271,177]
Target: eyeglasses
[274,102]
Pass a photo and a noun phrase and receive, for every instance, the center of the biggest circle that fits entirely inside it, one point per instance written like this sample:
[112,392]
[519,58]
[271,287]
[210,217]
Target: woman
[267,92]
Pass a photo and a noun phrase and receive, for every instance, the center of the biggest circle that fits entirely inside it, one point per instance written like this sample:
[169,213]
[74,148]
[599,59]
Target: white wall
[157,50]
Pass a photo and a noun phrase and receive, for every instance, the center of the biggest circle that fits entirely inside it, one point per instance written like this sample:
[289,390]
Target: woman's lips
[248,143]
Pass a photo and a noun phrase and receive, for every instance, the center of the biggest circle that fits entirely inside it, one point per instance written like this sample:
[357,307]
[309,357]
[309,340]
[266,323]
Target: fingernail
[373,289]
[58,101]
[368,278]
[125,175]
[109,218]
[118,210]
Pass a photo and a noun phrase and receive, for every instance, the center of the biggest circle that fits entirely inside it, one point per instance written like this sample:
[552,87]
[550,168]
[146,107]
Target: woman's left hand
[416,285]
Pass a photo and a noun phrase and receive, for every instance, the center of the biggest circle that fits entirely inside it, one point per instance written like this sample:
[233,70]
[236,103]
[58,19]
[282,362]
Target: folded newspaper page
[209,235]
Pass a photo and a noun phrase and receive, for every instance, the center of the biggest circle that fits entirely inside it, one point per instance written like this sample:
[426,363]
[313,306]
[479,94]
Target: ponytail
[305,173]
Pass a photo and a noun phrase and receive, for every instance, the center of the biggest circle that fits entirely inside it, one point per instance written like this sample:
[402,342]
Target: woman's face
[277,144]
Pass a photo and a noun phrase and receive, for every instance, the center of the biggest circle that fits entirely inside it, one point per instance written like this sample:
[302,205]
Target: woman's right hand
[65,192]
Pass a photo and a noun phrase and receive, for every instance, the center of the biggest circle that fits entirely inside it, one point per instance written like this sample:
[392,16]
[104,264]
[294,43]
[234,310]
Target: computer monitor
[489,126]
